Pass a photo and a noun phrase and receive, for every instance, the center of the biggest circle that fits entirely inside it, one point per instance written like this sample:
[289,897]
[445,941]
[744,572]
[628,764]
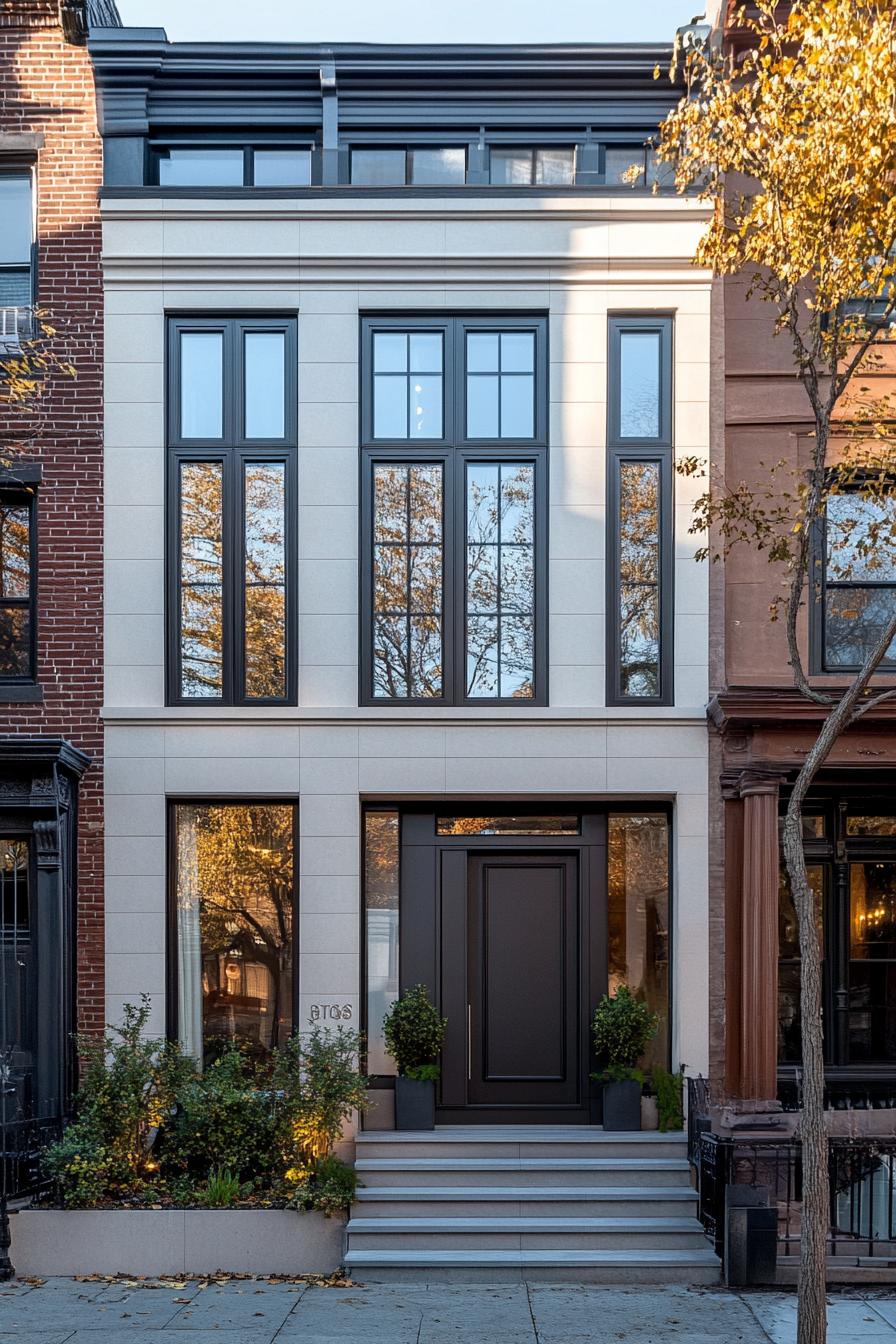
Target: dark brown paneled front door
[523,980]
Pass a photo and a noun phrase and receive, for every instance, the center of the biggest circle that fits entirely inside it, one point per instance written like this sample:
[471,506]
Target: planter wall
[175,1241]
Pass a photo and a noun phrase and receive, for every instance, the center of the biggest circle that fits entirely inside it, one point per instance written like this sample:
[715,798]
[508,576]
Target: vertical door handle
[469,1042]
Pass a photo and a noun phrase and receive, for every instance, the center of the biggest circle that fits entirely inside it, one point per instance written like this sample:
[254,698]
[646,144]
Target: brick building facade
[52,624]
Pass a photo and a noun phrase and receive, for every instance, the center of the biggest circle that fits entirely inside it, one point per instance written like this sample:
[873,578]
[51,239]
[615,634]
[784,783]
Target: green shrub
[225,1119]
[414,1033]
[327,1185]
[317,1085]
[222,1190]
[622,1028]
[669,1090]
[129,1088]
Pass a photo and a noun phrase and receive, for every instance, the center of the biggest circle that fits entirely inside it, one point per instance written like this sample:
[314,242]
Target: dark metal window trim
[232,451]
[454,451]
[436,142]
[658,450]
[172,802]
[27,496]
[531,148]
[818,604]
[156,150]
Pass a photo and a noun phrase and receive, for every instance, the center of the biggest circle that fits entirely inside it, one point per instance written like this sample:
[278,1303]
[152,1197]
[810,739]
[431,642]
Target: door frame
[437,865]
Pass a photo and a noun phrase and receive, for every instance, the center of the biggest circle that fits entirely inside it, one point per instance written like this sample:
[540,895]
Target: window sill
[21,694]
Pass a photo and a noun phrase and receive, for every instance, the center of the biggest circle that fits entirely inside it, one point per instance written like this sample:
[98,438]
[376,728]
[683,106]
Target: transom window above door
[454,426]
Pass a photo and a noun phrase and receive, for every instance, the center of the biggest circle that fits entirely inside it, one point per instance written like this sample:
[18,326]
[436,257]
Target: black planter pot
[622,1106]
[415,1104]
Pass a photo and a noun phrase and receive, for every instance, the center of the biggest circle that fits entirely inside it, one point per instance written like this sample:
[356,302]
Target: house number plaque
[331,1012]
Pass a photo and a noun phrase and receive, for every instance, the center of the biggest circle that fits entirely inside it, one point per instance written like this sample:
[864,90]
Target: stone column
[759,935]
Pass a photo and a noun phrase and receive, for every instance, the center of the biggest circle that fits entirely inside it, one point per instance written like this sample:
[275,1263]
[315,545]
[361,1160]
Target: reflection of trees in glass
[243,865]
[639,593]
[638,925]
[500,580]
[265,579]
[407,581]
[15,580]
[860,573]
[381,881]
[201,579]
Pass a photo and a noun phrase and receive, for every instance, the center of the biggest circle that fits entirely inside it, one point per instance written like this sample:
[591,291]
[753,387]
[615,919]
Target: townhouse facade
[761,728]
[405,642]
[51,740]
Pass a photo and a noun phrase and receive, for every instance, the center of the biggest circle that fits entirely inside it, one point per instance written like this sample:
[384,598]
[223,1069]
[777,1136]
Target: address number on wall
[331,1012]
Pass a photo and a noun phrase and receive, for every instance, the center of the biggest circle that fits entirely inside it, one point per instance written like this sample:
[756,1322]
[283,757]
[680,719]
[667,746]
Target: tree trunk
[812,1289]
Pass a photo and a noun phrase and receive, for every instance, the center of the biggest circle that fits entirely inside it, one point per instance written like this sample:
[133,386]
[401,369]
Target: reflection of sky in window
[15,211]
[201,384]
[201,168]
[407,385]
[854,552]
[265,373]
[500,385]
[500,580]
[639,385]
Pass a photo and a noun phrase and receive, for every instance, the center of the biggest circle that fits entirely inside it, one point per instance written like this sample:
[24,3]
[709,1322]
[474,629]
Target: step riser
[514,1177]
[528,1208]
[534,1241]
[635,1274]
[474,1149]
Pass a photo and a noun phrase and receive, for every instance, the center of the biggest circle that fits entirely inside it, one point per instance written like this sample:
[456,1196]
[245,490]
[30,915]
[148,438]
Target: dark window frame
[819,585]
[454,450]
[157,149]
[408,148]
[172,802]
[835,853]
[19,495]
[658,450]
[527,147]
[233,451]
[25,167]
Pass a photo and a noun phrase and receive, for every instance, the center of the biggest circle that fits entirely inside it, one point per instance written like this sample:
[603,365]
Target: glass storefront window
[638,892]
[789,962]
[235,898]
[381,887]
[872,967]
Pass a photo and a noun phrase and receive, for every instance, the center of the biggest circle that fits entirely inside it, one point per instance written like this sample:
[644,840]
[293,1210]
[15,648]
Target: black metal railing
[861,1189]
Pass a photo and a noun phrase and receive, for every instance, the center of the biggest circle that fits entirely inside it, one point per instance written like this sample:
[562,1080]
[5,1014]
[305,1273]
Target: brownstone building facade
[761,728]
[51,619]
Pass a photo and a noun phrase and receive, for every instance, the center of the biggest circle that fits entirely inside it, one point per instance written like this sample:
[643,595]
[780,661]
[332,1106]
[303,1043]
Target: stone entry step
[505,1203]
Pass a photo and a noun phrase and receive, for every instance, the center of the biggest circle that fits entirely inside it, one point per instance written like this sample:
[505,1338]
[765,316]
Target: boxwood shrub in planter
[247,1134]
[414,1034]
[622,1027]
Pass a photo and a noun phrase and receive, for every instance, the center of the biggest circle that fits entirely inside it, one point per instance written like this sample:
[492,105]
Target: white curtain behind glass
[189,939]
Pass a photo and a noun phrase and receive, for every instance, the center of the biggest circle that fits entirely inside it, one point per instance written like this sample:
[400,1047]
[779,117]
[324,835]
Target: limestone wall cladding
[330,260]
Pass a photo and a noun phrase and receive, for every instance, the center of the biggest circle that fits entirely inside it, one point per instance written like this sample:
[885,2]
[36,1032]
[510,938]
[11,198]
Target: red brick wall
[46,86]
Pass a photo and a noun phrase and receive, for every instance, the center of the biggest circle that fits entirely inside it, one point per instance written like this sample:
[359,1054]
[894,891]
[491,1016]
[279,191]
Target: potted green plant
[622,1028]
[414,1034]
[669,1090]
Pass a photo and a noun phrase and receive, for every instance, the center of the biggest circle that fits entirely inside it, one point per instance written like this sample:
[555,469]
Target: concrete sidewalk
[65,1311]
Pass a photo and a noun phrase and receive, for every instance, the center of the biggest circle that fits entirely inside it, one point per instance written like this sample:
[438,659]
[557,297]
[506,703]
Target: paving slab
[239,1304]
[850,1319]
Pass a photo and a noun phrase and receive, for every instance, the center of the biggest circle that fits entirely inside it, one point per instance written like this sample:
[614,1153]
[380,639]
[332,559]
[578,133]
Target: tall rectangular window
[18,604]
[638,915]
[16,239]
[232,450]
[454,443]
[381,887]
[234,920]
[639,511]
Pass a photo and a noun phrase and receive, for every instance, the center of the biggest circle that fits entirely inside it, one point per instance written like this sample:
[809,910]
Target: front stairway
[496,1203]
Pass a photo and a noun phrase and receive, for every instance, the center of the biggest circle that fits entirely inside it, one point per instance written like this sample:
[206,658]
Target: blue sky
[413,20]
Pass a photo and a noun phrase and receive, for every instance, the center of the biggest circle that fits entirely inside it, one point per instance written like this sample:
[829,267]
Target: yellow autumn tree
[793,141]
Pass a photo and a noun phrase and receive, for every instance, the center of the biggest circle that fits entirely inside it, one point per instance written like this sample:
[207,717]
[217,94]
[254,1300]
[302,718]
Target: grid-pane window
[859,578]
[640,510]
[454,426]
[231,394]
[17,587]
[16,239]
[234,893]
[408,549]
[500,384]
